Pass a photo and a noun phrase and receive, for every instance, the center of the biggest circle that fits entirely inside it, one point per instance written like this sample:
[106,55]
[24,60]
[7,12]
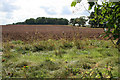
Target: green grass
[60,59]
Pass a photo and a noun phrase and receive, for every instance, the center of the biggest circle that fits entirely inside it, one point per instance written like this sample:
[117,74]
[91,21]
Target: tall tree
[110,14]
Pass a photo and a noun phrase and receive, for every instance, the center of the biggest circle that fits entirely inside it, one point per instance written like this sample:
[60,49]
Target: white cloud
[66,11]
[6,11]
[20,10]
[49,10]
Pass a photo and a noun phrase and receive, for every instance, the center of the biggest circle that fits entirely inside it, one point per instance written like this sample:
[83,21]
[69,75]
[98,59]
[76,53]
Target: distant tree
[63,21]
[72,20]
[18,23]
[40,20]
[80,21]
[30,21]
[66,21]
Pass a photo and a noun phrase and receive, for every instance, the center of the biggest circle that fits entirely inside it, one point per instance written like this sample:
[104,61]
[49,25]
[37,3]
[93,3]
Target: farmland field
[57,51]
[43,32]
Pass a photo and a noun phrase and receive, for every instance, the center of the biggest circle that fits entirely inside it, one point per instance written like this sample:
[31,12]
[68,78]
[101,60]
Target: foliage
[107,13]
[95,22]
[44,20]
[80,21]
[30,21]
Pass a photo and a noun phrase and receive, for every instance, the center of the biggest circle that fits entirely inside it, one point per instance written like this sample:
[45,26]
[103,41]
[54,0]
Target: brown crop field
[43,32]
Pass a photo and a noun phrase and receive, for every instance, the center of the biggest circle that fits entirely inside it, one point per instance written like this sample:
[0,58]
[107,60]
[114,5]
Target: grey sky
[12,11]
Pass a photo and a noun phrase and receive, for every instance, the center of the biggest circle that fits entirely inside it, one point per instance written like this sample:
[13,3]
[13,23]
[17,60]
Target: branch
[85,8]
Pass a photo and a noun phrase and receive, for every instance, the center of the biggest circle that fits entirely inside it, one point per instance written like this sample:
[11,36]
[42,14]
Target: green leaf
[89,8]
[92,19]
[115,36]
[113,30]
[115,26]
[90,5]
[73,3]
[107,35]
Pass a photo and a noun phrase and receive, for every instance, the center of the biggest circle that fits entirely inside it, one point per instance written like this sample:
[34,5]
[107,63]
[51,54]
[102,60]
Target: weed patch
[60,59]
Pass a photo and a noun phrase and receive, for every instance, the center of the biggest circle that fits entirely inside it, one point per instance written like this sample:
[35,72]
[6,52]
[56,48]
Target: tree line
[53,21]
[81,21]
[44,21]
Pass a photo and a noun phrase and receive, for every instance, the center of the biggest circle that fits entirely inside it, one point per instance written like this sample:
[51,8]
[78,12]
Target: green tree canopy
[80,21]
[45,21]
[110,15]
[30,21]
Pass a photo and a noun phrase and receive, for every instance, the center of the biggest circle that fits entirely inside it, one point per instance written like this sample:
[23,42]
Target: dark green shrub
[66,45]
[39,48]
[42,47]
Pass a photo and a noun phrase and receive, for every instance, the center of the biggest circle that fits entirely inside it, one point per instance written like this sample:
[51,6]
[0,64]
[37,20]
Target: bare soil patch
[43,32]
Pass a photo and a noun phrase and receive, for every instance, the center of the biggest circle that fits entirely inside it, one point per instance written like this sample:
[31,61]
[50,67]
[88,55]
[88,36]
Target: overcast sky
[12,11]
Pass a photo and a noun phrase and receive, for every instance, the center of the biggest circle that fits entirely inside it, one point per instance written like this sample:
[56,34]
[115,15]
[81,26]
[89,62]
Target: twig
[85,8]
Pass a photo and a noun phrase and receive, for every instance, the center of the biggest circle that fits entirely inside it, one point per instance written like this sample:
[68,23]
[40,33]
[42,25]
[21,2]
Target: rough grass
[60,59]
